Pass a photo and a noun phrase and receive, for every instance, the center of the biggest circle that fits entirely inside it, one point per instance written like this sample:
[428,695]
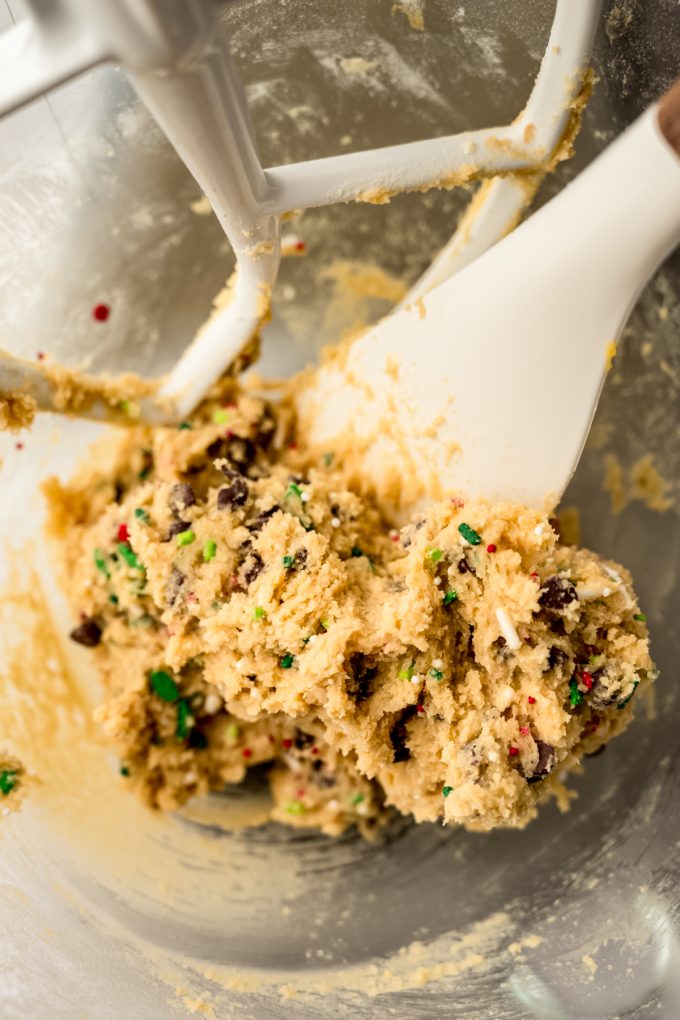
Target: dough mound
[246,606]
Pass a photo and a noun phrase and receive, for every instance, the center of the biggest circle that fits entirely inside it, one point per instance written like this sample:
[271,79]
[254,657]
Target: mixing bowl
[109,911]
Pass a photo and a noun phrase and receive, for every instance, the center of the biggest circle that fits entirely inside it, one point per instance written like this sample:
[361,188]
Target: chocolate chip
[406,541]
[325,782]
[266,428]
[258,523]
[317,764]
[254,567]
[234,495]
[88,633]
[173,585]
[300,558]
[242,452]
[399,735]
[176,528]
[546,760]
[118,491]
[464,566]
[556,625]
[181,496]
[557,593]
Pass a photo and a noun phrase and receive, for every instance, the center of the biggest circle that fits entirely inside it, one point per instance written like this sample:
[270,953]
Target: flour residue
[641,482]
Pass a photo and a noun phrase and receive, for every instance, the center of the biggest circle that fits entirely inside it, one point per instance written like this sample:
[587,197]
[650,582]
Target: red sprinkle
[40,355]
[532,701]
[587,679]
[513,751]
[394,536]
[491,548]
[292,446]
[123,533]
[459,503]
[300,246]
[421,709]
[287,742]
[247,753]
[315,750]
[534,575]
[100,313]
[300,793]
[524,730]
[18,446]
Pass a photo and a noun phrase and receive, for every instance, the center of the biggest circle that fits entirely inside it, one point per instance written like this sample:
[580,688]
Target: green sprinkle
[287,661]
[294,490]
[469,534]
[124,771]
[184,425]
[450,597]
[622,704]
[436,674]
[113,599]
[130,556]
[325,623]
[296,807]
[640,617]
[186,537]
[575,696]
[446,790]
[356,551]
[259,613]
[221,416]
[217,605]
[233,731]
[124,405]
[288,562]
[100,563]
[142,515]
[306,640]
[406,672]
[358,798]
[185,720]
[209,550]
[9,778]
[435,555]
[328,459]
[163,685]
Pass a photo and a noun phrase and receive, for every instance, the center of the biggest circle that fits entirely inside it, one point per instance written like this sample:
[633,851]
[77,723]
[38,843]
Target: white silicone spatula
[488,384]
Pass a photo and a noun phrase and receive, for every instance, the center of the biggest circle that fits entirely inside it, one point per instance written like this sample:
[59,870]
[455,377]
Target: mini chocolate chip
[405,542]
[301,557]
[258,523]
[173,585]
[556,657]
[546,760]
[254,567]
[325,782]
[604,691]
[557,593]
[88,633]
[556,625]
[242,451]
[265,431]
[361,673]
[317,764]
[181,496]
[176,528]
[234,495]
[399,735]
[463,566]
[118,492]
[303,740]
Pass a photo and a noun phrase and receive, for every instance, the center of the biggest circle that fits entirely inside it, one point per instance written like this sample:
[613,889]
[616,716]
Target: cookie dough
[248,609]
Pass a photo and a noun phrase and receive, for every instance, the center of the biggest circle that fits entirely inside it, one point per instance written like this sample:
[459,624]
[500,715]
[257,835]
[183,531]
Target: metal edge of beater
[261,197]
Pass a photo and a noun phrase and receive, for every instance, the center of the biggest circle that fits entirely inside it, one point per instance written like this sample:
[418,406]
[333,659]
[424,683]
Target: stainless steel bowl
[95,207]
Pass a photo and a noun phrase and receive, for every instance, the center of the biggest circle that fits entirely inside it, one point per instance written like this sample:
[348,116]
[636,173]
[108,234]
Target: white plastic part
[490,382]
[191,87]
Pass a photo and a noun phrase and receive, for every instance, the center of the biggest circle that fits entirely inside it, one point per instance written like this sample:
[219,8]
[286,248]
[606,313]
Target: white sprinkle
[464,541]
[437,581]
[416,678]
[212,703]
[362,809]
[492,755]
[538,530]
[333,805]
[505,697]
[508,629]
[613,574]
[437,663]
[305,497]
[335,522]
[190,778]
[394,534]
[254,692]
[588,593]
[242,665]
